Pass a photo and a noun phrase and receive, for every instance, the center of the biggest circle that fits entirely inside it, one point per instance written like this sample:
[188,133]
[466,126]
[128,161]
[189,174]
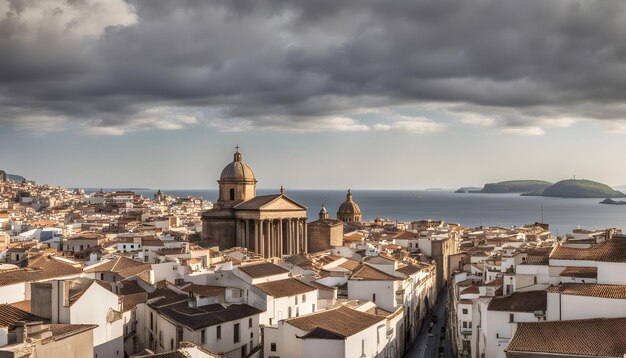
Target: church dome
[237,170]
[349,207]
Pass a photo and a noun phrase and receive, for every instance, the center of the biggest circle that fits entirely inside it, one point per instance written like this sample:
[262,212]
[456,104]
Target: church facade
[270,225]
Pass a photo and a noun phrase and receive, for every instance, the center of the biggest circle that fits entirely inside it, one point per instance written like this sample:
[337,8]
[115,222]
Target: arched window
[232,194]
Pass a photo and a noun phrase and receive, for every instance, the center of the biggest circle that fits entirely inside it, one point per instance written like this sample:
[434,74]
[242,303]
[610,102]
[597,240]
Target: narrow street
[428,346]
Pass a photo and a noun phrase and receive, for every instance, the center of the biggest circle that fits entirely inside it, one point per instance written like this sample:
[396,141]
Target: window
[511,317]
[218,334]
[464,310]
[171,344]
[374,297]
[296,297]
[273,347]
[535,279]
[469,325]
[363,347]
[236,333]
[464,324]
[251,335]
[303,298]
[251,345]
[313,307]
[161,338]
[151,321]
[288,312]
[124,247]
[297,311]
[232,194]
[249,322]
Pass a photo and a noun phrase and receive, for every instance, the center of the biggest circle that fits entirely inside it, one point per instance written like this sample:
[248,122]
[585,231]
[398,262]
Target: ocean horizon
[469,209]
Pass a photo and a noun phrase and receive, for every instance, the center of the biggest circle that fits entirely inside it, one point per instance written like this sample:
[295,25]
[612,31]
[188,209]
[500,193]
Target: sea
[467,209]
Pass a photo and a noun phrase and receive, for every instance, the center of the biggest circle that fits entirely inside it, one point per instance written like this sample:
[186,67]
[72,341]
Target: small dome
[237,170]
[349,207]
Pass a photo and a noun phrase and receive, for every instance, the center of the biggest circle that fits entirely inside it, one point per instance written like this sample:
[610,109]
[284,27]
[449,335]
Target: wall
[13,293]
[76,346]
[92,308]
[327,348]
[385,292]
[583,307]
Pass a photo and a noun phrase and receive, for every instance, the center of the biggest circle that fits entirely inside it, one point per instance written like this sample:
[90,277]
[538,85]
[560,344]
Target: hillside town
[116,274]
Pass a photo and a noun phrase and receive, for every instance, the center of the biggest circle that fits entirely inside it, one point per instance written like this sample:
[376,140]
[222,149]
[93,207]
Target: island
[510,186]
[613,202]
[468,189]
[578,188]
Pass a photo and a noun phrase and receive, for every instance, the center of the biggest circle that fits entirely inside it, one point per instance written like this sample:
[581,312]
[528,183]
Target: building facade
[270,225]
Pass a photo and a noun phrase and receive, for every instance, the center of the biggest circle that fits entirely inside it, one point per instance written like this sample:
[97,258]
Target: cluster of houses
[115,274]
[124,275]
[541,298]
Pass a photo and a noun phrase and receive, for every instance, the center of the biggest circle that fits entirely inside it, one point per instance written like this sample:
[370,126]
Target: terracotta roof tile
[580,271]
[284,288]
[590,289]
[409,269]
[341,321]
[530,301]
[58,269]
[263,269]
[613,250]
[205,290]
[368,273]
[603,337]
[9,315]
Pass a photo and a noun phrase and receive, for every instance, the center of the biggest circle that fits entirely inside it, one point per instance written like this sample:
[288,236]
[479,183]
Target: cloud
[102,66]
[408,124]
[529,131]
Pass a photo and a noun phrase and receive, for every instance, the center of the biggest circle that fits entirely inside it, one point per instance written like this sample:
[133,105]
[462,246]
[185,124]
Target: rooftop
[263,269]
[603,337]
[9,315]
[368,273]
[336,323]
[530,301]
[613,250]
[284,288]
[590,289]
[580,271]
[205,316]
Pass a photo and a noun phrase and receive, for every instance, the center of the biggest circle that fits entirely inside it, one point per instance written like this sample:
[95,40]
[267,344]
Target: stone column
[256,236]
[297,222]
[263,237]
[289,237]
[238,233]
[247,235]
[280,237]
[270,238]
[304,231]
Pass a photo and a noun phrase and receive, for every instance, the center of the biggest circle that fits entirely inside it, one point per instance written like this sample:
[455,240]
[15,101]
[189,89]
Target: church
[270,225]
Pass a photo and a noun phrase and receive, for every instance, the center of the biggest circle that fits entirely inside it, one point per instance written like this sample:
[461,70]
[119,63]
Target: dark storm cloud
[302,64]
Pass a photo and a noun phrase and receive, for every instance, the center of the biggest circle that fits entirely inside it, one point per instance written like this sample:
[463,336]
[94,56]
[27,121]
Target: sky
[366,94]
